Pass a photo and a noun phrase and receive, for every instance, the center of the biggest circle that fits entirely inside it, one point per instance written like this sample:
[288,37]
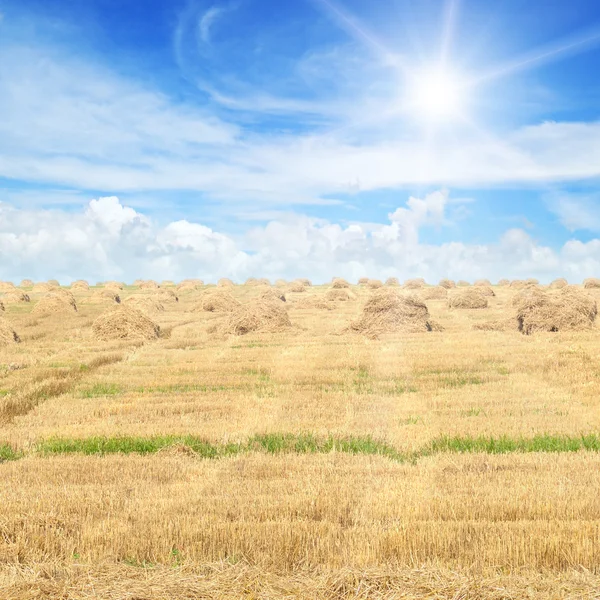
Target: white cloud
[108,240]
[207,21]
[576,212]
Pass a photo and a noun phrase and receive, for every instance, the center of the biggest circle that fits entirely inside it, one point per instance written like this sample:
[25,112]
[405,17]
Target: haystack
[558,284]
[568,309]
[437,292]
[15,298]
[224,282]
[447,283]
[251,281]
[260,316]
[80,286]
[148,285]
[26,283]
[532,281]
[53,282]
[125,323]
[146,304]
[305,282]
[468,298]
[7,286]
[42,287]
[2,309]
[167,283]
[281,283]
[591,283]
[217,301]
[414,284]
[53,303]
[264,281]
[273,295]
[182,288]
[387,311]
[7,334]
[363,281]
[113,285]
[168,296]
[338,283]
[392,282]
[297,287]
[338,295]
[138,282]
[486,291]
[66,295]
[503,283]
[197,283]
[313,301]
[463,283]
[517,284]
[374,284]
[106,295]
[483,283]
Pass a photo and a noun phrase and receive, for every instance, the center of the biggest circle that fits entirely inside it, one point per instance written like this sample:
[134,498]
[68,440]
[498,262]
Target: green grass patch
[102,389]
[8,453]
[308,443]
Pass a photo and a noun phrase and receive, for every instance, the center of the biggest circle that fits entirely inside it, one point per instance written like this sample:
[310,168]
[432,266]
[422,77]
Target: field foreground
[308,463]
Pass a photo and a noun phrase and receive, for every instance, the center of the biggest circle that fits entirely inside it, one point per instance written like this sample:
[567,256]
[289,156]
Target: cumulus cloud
[108,240]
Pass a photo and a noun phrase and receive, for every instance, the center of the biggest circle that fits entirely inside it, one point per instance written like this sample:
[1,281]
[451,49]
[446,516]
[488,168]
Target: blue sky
[232,122]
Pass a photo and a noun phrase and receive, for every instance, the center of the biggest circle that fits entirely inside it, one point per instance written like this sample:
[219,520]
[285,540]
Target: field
[308,463]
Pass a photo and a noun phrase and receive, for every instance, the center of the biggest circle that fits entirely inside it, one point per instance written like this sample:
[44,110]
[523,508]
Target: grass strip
[307,443]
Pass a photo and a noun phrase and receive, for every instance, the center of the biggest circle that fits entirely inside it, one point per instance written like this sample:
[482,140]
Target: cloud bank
[108,240]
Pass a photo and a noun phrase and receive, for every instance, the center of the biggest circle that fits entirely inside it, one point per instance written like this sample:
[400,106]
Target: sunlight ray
[550,53]
[354,28]
[450,20]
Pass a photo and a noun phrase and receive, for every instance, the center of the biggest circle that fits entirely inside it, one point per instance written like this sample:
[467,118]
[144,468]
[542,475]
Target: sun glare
[436,94]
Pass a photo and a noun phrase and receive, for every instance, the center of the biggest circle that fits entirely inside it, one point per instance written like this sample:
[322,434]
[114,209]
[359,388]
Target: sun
[436,94]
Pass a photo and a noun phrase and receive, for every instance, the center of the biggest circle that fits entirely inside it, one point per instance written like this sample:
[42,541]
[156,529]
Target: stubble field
[311,462]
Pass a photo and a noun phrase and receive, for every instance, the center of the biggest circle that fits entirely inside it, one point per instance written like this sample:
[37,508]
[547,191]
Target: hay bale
[387,311]
[339,295]
[363,281]
[251,281]
[224,282]
[447,283]
[114,285]
[568,309]
[217,301]
[374,284]
[558,284]
[264,281]
[42,288]
[313,301]
[167,297]
[261,316]
[53,303]
[148,285]
[437,292]
[7,334]
[182,288]
[468,298]
[196,283]
[66,295]
[281,283]
[591,283]
[532,281]
[15,298]
[483,283]
[53,283]
[503,283]
[167,283]
[105,295]
[7,286]
[517,284]
[338,283]
[414,284]
[296,287]
[463,283]
[392,282]
[26,283]
[146,304]
[125,323]
[486,291]
[80,286]
[305,282]
[272,295]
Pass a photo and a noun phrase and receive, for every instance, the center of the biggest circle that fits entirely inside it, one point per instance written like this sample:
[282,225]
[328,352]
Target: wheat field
[308,463]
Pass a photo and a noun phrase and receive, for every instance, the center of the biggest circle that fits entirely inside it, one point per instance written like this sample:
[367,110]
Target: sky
[168,139]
